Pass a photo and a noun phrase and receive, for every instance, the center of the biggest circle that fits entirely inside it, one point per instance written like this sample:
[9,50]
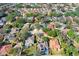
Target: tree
[77,11]
[7,28]
[77,39]
[45,38]
[19,23]
[15,52]
[71,33]
[55,14]
[20,5]
[30,51]
[2,14]
[71,50]
[11,16]
[46,29]
[53,33]
[71,13]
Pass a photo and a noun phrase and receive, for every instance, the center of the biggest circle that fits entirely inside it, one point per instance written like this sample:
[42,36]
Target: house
[62,19]
[54,44]
[1,37]
[4,50]
[2,19]
[70,19]
[64,31]
[2,14]
[8,23]
[51,25]
[43,48]
[14,30]
[1,23]
[9,37]
[29,41]
[76,29]
[26,26]
[37,31]
[18,45]
[1,31]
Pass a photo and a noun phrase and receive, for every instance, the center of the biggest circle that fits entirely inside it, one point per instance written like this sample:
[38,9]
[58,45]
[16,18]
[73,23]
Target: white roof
[1,23]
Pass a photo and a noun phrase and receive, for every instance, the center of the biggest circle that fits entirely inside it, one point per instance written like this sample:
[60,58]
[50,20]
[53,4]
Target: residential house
[64,31]
[1,37]
[2,21]
[9,37]
[4,50]
[29,41]
[14,30]
[54,44]
[52,25]
[43,48]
